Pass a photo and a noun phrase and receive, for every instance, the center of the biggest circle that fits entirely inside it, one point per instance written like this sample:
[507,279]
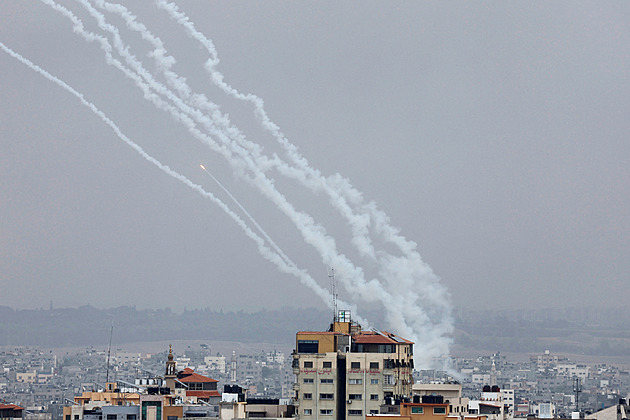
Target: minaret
[493,374]
[233,367]
[171,374]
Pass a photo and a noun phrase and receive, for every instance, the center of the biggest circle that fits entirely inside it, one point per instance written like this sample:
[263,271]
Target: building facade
[346,372]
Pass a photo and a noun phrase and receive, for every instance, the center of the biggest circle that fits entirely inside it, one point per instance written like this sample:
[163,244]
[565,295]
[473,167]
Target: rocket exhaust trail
[276,248]
[401,273]
[249,216]
[343,196]
[312,232]
[410,285]
[284,265]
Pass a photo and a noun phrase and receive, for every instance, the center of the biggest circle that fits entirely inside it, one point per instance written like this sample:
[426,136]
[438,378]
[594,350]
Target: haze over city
[494,137]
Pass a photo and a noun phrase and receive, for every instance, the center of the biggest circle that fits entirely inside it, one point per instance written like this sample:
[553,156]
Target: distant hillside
[588,331]
[576,330]
[87,325]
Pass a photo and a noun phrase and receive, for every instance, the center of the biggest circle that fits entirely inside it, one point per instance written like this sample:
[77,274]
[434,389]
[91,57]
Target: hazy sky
[495,135]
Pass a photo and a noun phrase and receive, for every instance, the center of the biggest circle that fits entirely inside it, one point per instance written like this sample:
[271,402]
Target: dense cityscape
[398,211]
[40,381]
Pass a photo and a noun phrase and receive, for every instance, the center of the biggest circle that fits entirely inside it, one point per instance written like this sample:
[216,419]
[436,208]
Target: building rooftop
[189,376]
[203,394]
[373,337]
[10,407]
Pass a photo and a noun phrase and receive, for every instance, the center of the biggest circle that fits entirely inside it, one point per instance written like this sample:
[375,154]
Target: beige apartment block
[347,373]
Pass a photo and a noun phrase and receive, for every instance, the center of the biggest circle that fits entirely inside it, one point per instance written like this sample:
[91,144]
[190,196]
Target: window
[355,365]
[373,365]
[308,412]
[357,381]
[388,379]
[327,365]
[68,416]
[417,410]
[308,365]
[308,346]
[307,396]
[326,396]
[439,410]
[386,348]
[308,380]
[355,412]
[374,381]
[373,411]
[326,381]
[131,417]
[357,397]
[111,416]
[373,397]
[388,364]
[325,412]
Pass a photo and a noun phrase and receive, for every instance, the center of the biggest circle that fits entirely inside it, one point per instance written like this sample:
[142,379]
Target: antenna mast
[109,350]
[333,292]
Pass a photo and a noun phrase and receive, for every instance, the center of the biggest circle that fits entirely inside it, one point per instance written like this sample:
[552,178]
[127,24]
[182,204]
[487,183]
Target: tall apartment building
[346,372]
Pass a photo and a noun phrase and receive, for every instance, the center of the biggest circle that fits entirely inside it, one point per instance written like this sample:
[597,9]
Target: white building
[545,410]
[573,370]
[215,363]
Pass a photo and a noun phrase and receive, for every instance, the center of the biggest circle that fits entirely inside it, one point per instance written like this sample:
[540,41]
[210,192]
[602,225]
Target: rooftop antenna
[333,292]
[109,350]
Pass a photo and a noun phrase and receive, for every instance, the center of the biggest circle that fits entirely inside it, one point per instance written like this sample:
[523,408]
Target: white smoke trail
[343,196]
[249,216]
[410,309]
[312,233]
[339,189]
[164,64]
[283,263]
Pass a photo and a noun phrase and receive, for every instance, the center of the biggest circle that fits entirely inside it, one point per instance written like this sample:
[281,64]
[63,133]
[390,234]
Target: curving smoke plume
[415,304]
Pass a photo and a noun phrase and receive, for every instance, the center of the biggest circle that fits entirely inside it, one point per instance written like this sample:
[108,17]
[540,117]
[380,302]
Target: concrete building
[546,410]
[545,360]
[26,377]
[451,392]
[275,357]
[494,403]
[216,363]
[508,398]
[248,369]
[10,411]
[619,411]
[192,387]
[573,370]
[434,410]
[346,372]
